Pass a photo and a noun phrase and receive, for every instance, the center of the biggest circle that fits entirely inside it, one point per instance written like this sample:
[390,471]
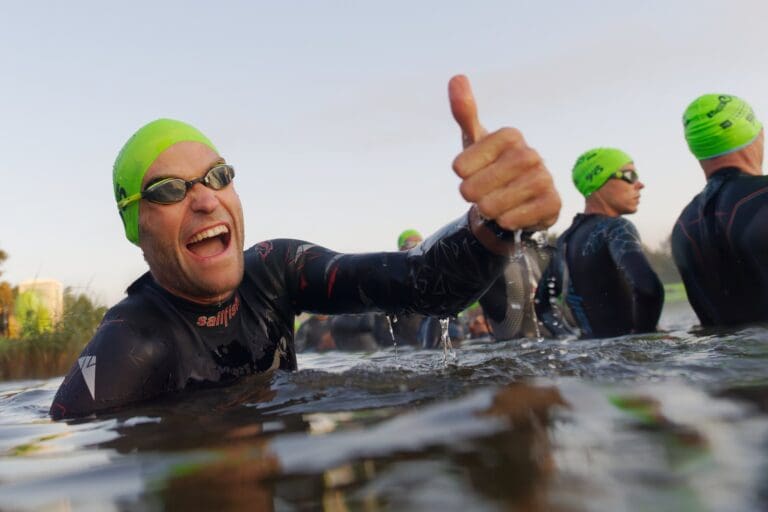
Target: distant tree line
[662,262]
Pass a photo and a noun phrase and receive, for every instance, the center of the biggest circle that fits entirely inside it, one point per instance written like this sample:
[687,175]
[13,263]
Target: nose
[639,185]
[202,198]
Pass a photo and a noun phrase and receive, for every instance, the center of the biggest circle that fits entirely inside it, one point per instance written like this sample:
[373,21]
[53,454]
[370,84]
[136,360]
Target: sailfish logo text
[222,317]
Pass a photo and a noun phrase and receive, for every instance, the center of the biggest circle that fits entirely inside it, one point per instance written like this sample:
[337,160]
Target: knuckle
[467,191]
[540,187]
[458,166]
[509,220]
[487,206]
[511,135]
[529,157]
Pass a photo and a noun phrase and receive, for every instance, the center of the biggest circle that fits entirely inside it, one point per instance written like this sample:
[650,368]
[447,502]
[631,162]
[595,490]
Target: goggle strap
[123,203]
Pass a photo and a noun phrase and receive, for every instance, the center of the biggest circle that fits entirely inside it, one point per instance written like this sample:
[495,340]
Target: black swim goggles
[628,175]
[173,190]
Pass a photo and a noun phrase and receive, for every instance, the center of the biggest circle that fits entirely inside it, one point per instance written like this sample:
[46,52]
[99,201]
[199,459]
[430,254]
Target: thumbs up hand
[504,178]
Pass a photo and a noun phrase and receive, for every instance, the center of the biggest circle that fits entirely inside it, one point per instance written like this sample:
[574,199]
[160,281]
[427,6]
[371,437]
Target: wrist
[493,237]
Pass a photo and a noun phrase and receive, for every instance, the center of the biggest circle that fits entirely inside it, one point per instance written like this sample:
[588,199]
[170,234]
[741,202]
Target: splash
[445,339]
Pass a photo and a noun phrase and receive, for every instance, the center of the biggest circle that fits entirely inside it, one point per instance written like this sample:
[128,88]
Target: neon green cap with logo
[718,124]
[594,167]
[138,154]
[405,235]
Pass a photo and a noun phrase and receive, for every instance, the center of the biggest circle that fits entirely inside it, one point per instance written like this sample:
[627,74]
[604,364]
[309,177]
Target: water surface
[668,421]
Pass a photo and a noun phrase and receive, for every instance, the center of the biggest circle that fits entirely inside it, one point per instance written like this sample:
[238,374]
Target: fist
[505,178]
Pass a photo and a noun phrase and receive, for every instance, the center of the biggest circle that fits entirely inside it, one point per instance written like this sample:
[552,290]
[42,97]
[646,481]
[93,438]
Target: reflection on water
[669,421]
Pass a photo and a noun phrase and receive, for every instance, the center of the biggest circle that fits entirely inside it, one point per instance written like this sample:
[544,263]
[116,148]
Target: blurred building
[50,292]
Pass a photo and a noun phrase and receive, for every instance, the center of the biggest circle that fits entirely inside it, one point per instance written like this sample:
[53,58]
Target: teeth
[209,233]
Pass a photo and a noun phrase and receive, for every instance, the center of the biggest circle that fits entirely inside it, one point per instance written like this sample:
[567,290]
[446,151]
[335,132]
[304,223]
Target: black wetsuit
[365,332]
[720,246]
[610,288]
[153,343]
[508,304]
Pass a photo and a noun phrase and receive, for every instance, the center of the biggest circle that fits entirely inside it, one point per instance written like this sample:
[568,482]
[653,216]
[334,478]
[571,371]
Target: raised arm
[441,276]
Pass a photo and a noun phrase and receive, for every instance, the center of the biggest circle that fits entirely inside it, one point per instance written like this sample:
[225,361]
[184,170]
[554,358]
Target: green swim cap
[405,235]
[718,124]
[593,168]
[137,155]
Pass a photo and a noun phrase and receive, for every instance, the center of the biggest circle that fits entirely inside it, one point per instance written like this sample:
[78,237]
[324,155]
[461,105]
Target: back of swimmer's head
[138,154]
[719,124]
[596,166]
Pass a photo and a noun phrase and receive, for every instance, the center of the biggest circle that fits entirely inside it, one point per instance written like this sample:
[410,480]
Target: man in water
[208,312]
[720,241]
[609,287]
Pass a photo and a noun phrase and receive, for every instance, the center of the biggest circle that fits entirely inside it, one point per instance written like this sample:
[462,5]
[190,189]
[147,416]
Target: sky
[335,113]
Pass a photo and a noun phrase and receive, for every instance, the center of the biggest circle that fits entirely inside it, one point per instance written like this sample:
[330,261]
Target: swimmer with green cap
[408,239]
[599,273]
[718,241]
[210,312]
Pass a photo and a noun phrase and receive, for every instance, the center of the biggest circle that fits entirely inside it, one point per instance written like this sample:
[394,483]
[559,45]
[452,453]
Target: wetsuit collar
[725,173]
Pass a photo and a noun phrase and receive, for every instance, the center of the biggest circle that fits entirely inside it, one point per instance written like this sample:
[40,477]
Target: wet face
[619,197]
[194,248]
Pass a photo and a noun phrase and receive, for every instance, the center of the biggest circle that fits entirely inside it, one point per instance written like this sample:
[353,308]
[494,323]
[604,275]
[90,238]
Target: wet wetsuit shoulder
[126,361]
[720,246]
[153,343]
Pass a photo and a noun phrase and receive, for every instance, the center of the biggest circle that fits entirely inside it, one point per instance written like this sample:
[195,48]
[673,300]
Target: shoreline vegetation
[41,355]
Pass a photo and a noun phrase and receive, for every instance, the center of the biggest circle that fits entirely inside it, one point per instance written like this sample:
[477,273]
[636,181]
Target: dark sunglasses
[628,175]
[173,190]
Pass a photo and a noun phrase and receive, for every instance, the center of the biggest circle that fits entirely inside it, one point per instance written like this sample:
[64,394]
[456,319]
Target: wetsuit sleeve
[119,366]
[645,287]
[441,276]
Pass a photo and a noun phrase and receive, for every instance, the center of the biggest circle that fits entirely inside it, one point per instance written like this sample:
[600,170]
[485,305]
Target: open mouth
[210,242]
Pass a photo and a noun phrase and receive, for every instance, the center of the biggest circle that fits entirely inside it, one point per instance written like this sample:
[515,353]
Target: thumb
[464,110]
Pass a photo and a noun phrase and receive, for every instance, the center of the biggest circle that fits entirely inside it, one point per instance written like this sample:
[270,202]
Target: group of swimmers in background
[596,282]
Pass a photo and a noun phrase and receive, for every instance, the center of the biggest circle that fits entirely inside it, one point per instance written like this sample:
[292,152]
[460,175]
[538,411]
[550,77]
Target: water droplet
[391,319]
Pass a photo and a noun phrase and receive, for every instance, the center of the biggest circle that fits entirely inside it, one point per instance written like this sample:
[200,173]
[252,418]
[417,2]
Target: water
[670,421]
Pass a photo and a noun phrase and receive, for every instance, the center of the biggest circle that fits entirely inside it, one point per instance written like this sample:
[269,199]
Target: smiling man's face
[194,248]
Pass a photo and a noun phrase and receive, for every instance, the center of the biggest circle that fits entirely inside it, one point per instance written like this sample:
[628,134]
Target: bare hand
[502,176]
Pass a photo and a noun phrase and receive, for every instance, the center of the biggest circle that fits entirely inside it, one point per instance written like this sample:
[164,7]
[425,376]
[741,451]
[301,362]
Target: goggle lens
[628,175]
